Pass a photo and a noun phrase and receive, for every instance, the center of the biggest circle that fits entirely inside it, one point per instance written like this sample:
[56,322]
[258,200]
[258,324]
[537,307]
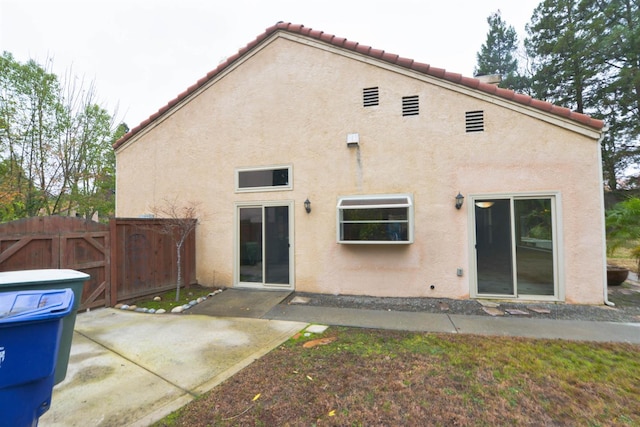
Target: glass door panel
[251,245]
[534,247]
[277,244]
[493,247]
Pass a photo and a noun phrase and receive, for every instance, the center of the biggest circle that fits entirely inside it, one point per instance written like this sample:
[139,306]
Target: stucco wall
[292,104]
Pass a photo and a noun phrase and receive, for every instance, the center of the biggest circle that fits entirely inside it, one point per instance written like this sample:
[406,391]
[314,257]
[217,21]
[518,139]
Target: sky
[141,54]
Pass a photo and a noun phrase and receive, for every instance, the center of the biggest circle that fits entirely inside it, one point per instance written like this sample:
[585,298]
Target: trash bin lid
[40,276]
[34,305]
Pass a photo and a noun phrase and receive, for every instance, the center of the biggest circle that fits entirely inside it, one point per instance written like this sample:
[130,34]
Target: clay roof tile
[364,49]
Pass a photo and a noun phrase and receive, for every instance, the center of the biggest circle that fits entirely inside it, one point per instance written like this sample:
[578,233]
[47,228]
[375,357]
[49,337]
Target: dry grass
[373,377]
[622,257]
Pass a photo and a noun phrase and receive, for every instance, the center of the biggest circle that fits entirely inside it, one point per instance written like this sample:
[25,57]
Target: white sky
[141,54]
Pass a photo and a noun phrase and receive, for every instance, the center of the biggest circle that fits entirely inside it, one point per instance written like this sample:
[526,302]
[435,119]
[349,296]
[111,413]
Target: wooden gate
[60,242]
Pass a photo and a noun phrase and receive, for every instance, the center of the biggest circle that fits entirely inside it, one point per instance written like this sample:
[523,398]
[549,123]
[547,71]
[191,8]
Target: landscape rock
[492,311]
[161,311]
[540,310]
[178,309]
[317,329]
[300,300]
[490,304]
[517,312]
[157,299]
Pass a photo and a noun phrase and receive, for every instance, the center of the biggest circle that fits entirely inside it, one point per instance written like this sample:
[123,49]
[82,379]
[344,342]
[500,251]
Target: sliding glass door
[264,248]
[515,248]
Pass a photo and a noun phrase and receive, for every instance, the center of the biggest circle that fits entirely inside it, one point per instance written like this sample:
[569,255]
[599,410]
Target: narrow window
[410,105]
[263,179]
[370,96]
[474,121]
[375,219]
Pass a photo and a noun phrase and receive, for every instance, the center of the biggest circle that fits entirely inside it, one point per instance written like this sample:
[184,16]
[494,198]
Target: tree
[179,222]
[586,57]
[497,54]
[56,139]
[29,109]
[12,204]
[560,39]
[618,92]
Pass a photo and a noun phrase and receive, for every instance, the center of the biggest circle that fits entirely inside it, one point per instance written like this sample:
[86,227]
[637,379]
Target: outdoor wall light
[307,205]
[459,200]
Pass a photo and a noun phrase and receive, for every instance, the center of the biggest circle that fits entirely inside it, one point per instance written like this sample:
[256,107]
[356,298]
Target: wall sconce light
[307,205]
[459,200]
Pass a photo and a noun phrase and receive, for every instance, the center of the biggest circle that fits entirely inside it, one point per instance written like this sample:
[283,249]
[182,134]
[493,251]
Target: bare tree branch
[179,222]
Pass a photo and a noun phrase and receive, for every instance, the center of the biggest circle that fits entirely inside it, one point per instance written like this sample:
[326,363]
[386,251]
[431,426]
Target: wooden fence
[126,259]
[144,260]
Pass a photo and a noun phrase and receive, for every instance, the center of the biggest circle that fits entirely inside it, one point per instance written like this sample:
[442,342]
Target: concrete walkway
[463,324]
[132,369]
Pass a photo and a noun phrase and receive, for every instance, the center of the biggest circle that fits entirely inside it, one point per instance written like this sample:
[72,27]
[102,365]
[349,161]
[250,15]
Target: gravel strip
[626,310]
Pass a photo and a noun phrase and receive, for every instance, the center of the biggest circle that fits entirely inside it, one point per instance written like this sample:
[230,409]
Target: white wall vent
[474,121]
[410,105]
[370,96]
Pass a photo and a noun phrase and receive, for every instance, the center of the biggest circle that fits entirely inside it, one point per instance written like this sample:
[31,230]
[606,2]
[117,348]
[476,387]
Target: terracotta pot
[616,275]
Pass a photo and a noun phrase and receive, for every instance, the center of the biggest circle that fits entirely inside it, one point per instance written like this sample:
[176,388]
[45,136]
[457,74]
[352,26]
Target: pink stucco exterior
[292,100]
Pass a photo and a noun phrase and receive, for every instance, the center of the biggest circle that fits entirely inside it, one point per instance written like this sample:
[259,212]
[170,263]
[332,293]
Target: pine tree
[586,57]
[497,54]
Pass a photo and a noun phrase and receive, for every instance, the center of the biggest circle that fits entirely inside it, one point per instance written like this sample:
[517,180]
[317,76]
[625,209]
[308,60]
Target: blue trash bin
[30,330]
[25,280]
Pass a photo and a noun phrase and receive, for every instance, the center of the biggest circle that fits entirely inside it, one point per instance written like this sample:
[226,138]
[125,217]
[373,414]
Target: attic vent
[410,105]
[370,96]
[474,121]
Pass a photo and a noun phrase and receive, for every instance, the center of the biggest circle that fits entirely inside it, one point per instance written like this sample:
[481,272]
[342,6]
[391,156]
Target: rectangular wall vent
[474,121]
[370,96]
[410,105]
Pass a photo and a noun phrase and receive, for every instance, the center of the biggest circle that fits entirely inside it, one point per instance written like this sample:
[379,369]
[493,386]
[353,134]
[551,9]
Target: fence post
[112,288]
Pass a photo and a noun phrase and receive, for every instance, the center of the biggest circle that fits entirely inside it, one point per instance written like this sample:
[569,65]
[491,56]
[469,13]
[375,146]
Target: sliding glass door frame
[557,245]
[262,256]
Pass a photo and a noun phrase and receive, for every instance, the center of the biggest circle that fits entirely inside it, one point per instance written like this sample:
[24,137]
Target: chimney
[492,79]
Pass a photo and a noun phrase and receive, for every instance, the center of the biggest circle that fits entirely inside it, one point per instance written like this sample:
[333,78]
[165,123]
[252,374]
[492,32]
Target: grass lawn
[375,377]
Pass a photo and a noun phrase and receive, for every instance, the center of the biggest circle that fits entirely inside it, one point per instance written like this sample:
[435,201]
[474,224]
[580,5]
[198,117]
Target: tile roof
[381,55]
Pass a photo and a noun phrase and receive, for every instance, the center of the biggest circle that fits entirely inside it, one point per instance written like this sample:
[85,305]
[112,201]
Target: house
[326,166]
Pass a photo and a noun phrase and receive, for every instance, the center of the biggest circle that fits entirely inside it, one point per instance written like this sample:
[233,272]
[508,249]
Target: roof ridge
[392,58]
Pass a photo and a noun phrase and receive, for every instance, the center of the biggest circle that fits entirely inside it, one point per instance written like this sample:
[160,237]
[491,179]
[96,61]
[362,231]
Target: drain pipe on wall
[604,230]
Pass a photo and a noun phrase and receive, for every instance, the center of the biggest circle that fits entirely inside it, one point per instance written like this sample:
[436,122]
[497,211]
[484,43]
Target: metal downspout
[604,231]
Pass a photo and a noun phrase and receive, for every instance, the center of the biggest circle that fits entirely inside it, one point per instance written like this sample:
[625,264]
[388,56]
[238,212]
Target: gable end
[426,69]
